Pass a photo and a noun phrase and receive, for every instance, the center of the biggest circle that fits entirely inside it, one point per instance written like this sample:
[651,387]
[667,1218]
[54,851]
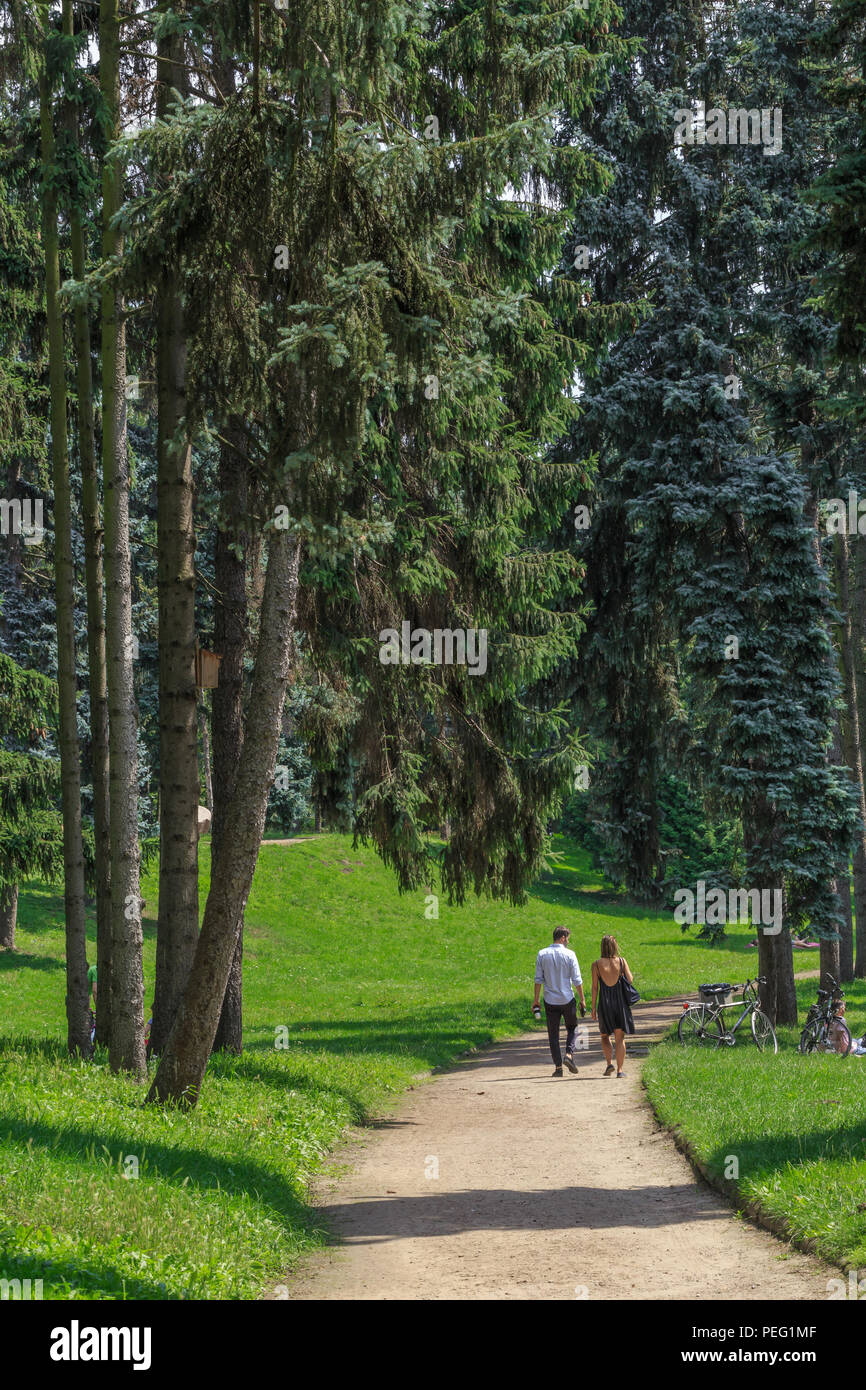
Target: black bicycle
[826,1029]
[705,1023]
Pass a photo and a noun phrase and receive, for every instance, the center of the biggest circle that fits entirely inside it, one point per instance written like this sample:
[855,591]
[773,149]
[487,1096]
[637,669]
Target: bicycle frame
[825,1012]
[718,1012]
[749,1004]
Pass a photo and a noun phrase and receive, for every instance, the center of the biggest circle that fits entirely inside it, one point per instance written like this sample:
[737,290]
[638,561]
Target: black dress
[613,1008]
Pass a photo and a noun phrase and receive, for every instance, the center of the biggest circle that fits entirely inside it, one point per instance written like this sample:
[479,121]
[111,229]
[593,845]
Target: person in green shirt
[91,980]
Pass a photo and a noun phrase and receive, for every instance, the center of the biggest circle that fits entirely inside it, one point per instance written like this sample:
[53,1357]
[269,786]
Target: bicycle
[704,1024]
[826,1030]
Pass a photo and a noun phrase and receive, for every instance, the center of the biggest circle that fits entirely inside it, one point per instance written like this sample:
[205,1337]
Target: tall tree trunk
[177,927]
[230,627]
[204,736]
[184,1061]
[829,962]
[851,742]
[77,1030]
[858,636]
[8,916]
[775,960]
[841,881]
[97,677]
[126,1051]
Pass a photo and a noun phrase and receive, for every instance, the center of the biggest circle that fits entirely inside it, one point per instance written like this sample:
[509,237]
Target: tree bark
[842,882]
[230,628]
[77,1030]
[204,735]
[776,961]
[8,916]
[126,1051]
[858,635]
[829,962]
[851,743]
[184,1061]
[177,927]
[93,580]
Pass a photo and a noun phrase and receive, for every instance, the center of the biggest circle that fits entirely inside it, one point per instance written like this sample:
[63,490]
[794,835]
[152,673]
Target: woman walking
[613,1013]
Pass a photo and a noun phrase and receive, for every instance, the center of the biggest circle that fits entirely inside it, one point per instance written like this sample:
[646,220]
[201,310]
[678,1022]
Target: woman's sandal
[608,1069]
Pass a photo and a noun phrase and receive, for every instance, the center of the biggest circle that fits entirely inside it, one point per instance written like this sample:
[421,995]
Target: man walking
[557,969]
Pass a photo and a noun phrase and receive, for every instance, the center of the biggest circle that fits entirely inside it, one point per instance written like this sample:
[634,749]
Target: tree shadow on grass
[176,1164]
[51,1049]
[766,1154]
[24,960]
[552,889]
[41,908]
[434,1036]
[283,1076]
[85,1276]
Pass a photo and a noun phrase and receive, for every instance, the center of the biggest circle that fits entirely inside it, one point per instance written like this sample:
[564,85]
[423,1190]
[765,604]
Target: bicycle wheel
[838,1038]
[764,1033]
[699,1025]
[809,1037]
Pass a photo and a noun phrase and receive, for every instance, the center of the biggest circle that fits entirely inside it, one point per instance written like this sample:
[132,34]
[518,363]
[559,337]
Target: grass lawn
[368,993]
[796,1126]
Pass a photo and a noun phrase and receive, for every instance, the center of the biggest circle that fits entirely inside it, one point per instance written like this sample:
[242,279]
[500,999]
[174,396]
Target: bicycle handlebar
[836,990]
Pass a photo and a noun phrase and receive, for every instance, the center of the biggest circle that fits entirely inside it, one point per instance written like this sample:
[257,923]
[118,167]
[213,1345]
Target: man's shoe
[569,1062]
[558,1071]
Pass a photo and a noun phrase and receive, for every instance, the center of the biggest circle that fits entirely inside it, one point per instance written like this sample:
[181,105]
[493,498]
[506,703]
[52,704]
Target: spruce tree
[717,552]
[64,572]
[364,286]
[127,985]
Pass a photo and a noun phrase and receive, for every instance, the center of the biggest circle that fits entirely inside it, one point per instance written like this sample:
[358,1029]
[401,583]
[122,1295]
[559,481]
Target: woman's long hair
[609,948]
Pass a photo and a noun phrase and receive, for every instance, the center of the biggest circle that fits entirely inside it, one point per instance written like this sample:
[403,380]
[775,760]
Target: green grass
[371,994]
[795,1125]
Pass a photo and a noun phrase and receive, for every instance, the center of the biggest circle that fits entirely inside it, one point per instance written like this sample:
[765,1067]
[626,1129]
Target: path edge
[747,1206]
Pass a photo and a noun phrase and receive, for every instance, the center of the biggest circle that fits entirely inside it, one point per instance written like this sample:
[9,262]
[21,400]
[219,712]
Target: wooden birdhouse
[207,668]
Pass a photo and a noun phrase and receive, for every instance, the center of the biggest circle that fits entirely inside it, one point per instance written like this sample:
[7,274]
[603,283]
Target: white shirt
[556,968]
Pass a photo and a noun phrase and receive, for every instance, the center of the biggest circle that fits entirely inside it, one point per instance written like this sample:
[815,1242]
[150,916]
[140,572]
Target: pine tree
[82,114]
[64,574]
[127,985]
[717,554]
[342,230]
[177,928]
[31,826]
[31,830]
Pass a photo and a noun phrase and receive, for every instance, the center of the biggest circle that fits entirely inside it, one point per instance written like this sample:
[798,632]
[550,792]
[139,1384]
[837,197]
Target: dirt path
[546,1189]
[295,840]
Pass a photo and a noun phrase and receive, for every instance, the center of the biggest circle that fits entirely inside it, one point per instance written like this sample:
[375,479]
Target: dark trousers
[554,1012]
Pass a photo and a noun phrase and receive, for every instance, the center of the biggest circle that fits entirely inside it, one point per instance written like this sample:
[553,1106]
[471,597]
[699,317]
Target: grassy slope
[371,993]
[796,1126]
